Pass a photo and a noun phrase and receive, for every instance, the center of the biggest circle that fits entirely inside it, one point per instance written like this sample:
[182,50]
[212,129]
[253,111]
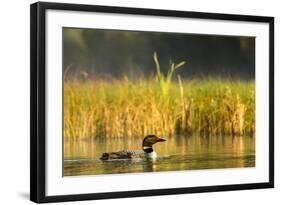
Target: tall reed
[165,80]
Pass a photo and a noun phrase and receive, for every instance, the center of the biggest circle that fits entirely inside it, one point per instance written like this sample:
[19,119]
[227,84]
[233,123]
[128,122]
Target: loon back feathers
[124,154]
[147,151]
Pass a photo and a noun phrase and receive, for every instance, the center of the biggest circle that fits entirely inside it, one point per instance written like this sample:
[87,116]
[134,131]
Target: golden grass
[121,108]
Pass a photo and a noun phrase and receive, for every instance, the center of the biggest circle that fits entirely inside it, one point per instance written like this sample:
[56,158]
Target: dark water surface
[177,153]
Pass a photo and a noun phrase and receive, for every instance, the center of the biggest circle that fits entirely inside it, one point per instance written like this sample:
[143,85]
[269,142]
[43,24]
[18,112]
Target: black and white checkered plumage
[146,152]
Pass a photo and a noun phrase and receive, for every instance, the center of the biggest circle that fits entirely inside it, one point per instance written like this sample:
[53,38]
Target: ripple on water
[83,158]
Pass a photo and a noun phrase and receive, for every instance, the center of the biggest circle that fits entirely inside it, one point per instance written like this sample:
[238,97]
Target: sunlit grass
[121,108]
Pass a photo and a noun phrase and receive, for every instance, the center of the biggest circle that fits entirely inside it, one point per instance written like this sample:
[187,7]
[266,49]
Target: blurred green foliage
[111,53]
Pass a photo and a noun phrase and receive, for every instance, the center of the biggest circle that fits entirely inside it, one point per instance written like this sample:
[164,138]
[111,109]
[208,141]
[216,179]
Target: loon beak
[161,140]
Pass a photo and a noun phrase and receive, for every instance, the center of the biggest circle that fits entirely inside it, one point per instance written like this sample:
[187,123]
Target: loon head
[148,141]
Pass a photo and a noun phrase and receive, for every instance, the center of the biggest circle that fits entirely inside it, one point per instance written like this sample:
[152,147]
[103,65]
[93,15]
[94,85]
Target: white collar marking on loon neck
[149,152]
[147,149]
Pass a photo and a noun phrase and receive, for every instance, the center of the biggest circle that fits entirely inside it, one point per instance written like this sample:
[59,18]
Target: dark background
[110,53]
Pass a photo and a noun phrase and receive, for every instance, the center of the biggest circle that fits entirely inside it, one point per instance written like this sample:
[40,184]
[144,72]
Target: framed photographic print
[129,102]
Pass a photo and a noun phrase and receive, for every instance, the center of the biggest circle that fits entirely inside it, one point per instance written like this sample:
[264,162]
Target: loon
[146,152]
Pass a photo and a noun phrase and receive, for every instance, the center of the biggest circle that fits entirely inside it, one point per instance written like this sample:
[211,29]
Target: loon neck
[147,149]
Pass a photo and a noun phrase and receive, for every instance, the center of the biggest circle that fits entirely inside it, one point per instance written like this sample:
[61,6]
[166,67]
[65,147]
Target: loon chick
[146,152]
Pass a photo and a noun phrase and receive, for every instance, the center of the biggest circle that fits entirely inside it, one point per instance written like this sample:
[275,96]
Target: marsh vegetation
[160,105]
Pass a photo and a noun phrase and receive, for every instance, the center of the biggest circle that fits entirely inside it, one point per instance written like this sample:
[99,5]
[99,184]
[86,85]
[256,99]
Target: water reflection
[177,153]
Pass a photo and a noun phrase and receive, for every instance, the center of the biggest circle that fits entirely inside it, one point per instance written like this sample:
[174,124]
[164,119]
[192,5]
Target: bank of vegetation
[164,104]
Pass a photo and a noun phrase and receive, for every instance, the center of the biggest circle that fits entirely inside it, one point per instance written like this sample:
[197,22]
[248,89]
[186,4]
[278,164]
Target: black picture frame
[38,101]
